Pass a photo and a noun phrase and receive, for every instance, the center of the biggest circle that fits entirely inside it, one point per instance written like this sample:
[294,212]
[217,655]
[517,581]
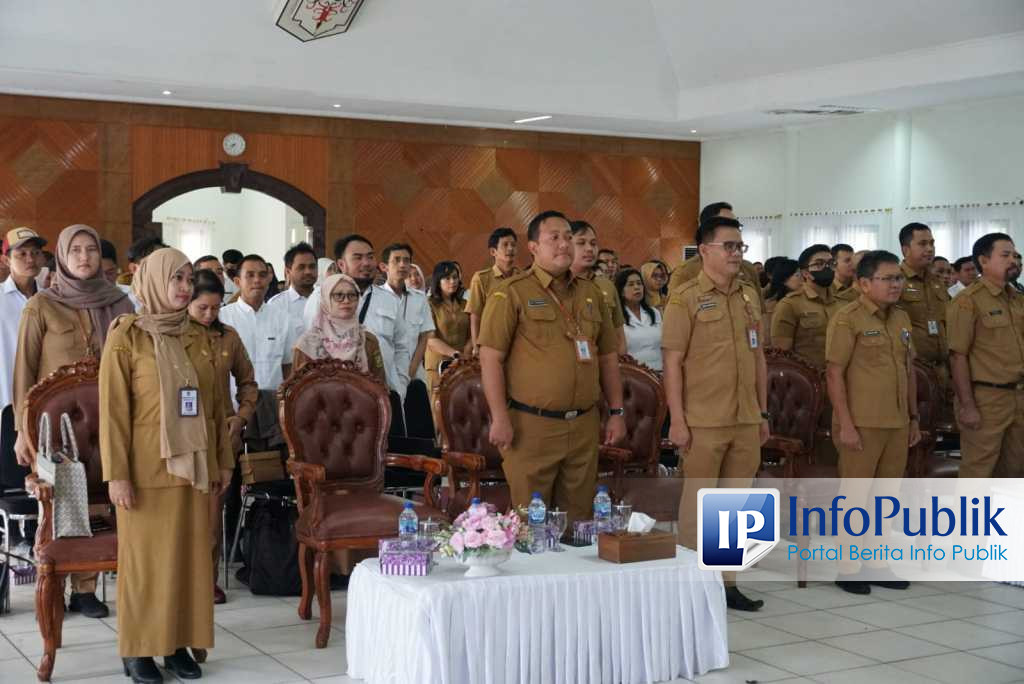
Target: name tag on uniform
[583,350]
[707,306]
[872,333]
[752,335]
[534,303]
[933,327]
[188,402]
[905,335]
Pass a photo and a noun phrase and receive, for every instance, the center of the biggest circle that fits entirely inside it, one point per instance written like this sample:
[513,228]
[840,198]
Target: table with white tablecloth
[550,618]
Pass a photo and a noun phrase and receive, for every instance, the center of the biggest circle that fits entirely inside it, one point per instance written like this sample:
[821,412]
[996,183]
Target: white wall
[248,221]
[955,154]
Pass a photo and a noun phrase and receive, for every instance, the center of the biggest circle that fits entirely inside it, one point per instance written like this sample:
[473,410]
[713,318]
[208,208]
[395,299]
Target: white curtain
[758,232]
[194,237]
[957,228]
[860,230]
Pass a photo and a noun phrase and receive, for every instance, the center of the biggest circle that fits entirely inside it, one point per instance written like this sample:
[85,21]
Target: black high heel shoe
[142,670]
[182,665]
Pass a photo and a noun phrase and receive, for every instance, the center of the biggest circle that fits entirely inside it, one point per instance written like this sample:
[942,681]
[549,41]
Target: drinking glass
[558,520]
[428,531]
[622,513]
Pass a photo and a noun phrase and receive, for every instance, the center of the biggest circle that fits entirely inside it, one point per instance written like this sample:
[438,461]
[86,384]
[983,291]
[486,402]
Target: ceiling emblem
[311,19]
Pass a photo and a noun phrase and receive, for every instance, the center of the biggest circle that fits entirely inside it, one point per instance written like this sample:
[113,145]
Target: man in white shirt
[378,307]
[231,258]
[965,273]
[415,324]
[300,270]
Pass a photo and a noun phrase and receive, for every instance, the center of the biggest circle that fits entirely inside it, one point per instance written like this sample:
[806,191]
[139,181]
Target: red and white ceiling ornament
[312,19]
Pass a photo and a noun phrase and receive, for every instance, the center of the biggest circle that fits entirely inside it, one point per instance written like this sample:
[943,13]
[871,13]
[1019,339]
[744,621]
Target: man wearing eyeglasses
[924,298]
[690,268]
[870,376]
[716,379]
[801,318]
[986,342]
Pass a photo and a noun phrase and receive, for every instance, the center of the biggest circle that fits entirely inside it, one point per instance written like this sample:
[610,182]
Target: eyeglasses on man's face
[344,297]
[731,247]
[821,264]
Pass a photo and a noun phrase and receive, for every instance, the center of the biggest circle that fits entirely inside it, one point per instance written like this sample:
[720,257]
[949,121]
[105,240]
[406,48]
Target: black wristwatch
[617,412]
[765,415]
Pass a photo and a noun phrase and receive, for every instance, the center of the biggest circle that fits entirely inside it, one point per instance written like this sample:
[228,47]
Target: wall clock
[234,144]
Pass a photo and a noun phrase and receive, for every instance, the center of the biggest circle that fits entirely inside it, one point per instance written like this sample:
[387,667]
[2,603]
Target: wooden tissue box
[630,547]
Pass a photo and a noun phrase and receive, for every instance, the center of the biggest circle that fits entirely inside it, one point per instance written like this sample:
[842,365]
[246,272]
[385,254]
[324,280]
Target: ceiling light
[167,92]
[336,106]
[693,130]
[533,118]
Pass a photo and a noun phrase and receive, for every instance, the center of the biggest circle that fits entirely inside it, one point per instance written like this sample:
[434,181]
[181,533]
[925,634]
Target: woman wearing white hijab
[164,447]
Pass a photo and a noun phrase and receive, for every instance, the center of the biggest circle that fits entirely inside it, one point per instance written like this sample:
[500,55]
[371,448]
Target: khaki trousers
[557,458]
[884,456]
[997,447]
[717,457]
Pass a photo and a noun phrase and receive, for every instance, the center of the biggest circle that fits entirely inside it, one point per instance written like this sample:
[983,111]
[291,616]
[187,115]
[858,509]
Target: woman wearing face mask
[451,322]
[61,325]
[655,275]
[229,359]
[165,449]
[643,321]
[801,319]
[336,332]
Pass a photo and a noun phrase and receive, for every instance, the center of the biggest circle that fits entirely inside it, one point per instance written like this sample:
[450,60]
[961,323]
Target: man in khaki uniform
[716,379]
[874,398]
[801,318]
[985,328]
[924,299]
[503,246]
[690,269]
[584,242]
[844,287]
[547,350]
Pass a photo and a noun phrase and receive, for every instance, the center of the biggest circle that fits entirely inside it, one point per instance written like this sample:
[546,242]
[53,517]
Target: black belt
[1005,385]
[561,415]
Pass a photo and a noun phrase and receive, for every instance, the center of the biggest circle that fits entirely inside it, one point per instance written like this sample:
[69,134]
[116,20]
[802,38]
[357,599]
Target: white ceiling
[655,68]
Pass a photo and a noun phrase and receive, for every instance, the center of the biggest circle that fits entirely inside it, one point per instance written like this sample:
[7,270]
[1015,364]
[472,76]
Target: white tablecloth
[551,618]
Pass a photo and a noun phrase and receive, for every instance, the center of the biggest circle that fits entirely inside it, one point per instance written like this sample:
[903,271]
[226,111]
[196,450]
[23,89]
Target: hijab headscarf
[322,264]
[103,300]
[183,440]
[655,297]
[331,336]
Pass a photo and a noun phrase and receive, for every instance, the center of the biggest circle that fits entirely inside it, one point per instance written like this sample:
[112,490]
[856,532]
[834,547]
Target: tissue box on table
[405,557]
[636,543]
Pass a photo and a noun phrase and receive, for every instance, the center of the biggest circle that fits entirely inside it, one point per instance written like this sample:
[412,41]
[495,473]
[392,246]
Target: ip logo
[736,527]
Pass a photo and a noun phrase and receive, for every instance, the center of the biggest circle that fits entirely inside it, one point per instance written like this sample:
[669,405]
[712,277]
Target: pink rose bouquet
[480,530]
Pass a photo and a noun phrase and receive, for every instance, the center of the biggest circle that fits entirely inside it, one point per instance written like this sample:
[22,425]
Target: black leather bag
[270,550]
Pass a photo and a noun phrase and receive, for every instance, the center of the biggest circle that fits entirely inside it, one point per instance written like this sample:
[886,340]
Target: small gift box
[406,557]
[586,531]
[23,574]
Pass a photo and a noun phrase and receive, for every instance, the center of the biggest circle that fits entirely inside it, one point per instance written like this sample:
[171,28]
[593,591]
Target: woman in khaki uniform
[336,332]
[451,322]
[165,448]
[655,275]
[61,325]
[229,359]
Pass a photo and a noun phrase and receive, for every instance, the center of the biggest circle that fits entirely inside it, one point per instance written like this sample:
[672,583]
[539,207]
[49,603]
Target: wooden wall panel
[441,188]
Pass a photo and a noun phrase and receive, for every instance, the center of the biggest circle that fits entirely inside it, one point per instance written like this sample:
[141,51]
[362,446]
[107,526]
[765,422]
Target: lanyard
[568,316]
[90,348]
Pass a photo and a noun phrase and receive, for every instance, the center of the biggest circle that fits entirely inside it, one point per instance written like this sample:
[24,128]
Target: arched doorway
[231,178]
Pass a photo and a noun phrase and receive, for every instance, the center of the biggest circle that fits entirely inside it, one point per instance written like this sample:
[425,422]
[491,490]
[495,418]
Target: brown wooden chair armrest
[465,460]
[306,471]
[787,445]
[38,489]
[424,464]
[614,454]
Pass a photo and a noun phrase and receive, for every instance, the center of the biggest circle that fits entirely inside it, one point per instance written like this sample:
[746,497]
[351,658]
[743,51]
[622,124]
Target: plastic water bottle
[408,522]
[537,517]
[475,507]
[602,506]
[537,512]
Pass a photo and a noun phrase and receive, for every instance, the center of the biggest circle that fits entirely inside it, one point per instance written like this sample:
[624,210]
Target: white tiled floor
[956,633]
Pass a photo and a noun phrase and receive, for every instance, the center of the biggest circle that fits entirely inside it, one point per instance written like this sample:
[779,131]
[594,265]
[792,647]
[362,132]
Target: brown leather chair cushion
[358,514]
[657,497]
[81,402]
[640,400]
[337,425]
[791,402]
[99,548]
[469,421]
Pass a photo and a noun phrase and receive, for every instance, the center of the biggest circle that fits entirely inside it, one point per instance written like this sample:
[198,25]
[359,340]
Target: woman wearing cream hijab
[164,447]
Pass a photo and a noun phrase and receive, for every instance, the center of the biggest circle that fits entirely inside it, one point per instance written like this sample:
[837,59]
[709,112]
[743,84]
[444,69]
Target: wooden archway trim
[231,178]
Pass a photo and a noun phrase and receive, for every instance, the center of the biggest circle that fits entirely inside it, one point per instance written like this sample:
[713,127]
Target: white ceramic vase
[485,565]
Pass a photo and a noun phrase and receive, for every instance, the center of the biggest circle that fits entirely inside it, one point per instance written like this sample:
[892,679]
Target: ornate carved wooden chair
[335,420]
[636,477]
[923,460]
[73,390]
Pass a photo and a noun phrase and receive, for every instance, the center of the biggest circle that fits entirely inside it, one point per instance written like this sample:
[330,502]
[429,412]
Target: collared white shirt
[294,305]
[267,336]
[382,320]
[12,301]
[643,338]
[414,319]
[955,288]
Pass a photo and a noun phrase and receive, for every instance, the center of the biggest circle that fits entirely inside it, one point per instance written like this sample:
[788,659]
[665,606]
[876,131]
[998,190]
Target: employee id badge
[188,399]
[933,327]
[752,337]
[583,350]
